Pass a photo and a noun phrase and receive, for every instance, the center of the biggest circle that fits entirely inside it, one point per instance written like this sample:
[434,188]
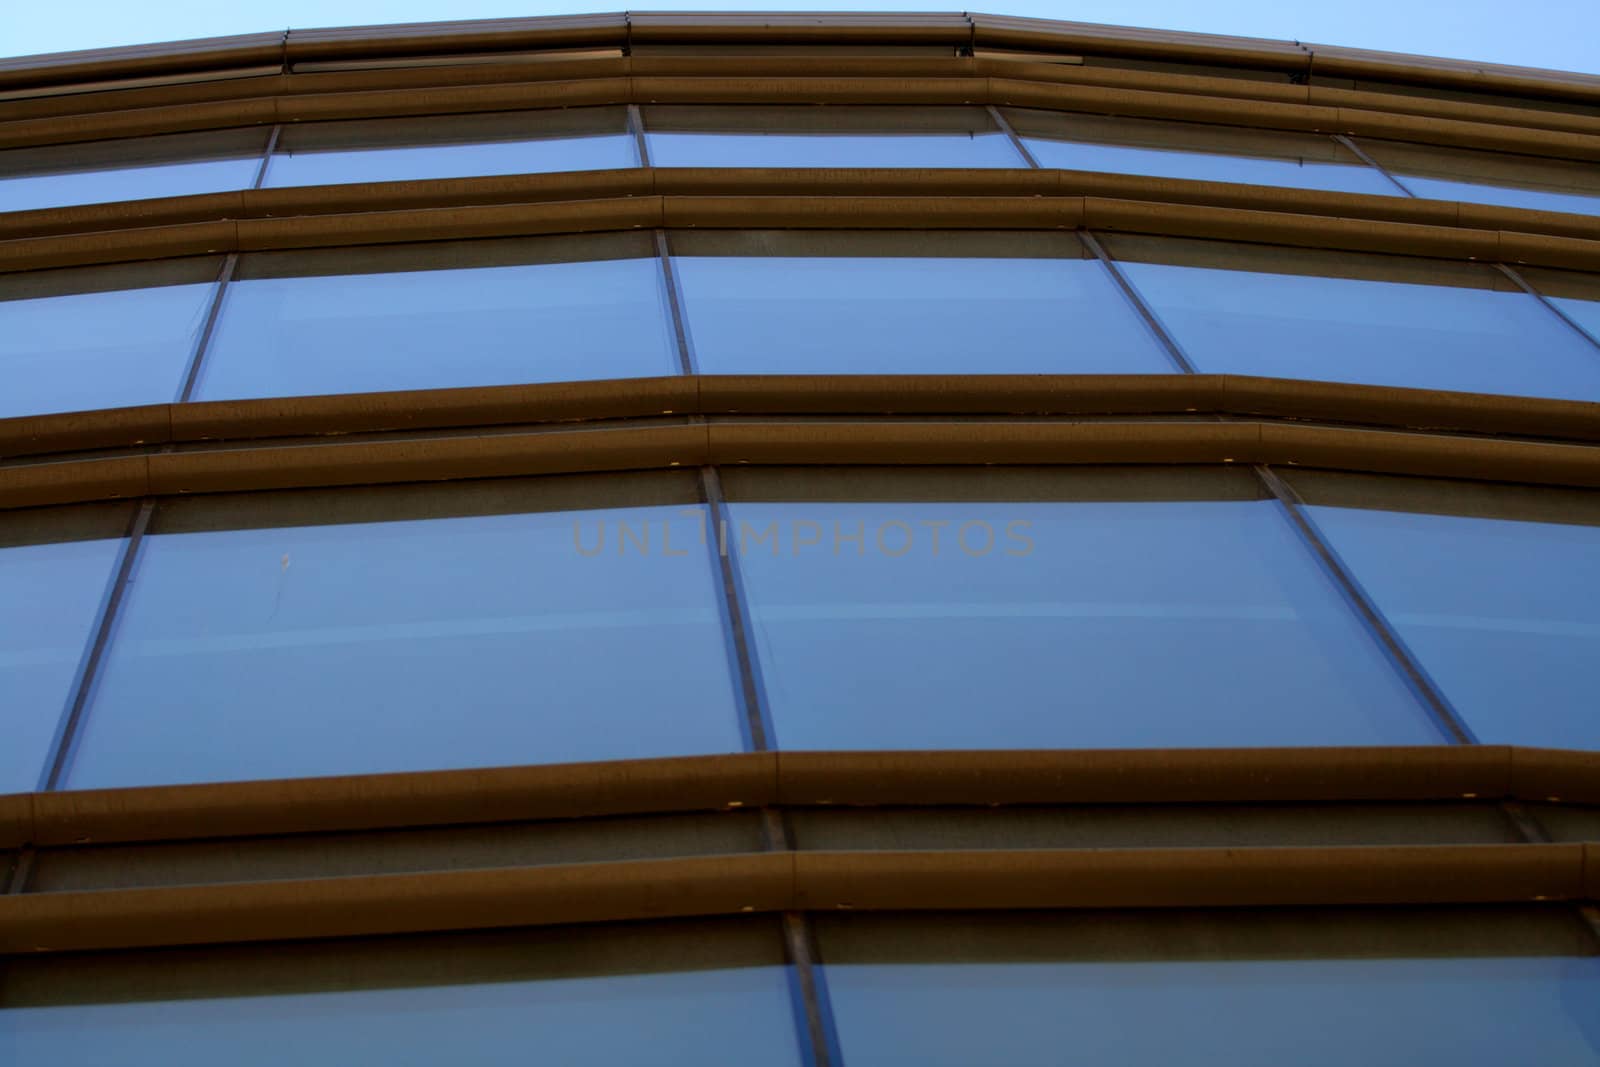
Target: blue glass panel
[847,303]
[131,169]
[816,136]
[1062,609]
[1503,612]
[1241,1013]
[441,315]
[1346,317]
[1196,151]
[1491,177]
[385,630]
[1577,295]
[54,568]
[100,337]
[598,998]
[454,146]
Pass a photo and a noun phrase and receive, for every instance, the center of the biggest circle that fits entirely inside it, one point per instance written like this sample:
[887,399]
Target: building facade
[797,539]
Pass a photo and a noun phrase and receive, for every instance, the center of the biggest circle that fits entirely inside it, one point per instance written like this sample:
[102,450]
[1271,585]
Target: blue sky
[1559,34]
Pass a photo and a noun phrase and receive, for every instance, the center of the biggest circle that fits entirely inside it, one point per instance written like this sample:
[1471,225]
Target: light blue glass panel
[1503,612]
[343,633]
[1195,151]
[1347,317]
[826,136]
[453,146]
[1237,1013]
[100,337]
[1063,609]
[935,302]
[129,169]
[607,998]
[1503,195]
[1533,182]
[439,316]
[54,569]
[1577,295]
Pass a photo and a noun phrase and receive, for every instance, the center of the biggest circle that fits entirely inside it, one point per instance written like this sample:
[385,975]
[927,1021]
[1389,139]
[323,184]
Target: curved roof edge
[284,49]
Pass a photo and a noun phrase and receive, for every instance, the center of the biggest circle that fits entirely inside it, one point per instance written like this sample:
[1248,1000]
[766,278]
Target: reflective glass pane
[100,337]
[790,302]
[54,568]
[477,624]
[647,994]
[1065,608]
[1196,151]
[134,168]
[433,316]
[453,146]
[826,136]
[1352,317]
[1495,590]
[1208,989]
[1491,177]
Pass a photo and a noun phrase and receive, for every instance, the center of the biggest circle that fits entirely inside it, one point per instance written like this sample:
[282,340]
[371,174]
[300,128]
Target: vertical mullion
[636,127]
[191,375]
[1011,135]
[1168,343]
[1399,654]
[1360,153]
[675,312]
[266,157]
[735,618]
[69,729]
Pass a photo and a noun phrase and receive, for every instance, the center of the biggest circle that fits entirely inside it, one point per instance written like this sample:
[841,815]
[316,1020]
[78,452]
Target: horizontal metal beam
[797,881]
[752,780]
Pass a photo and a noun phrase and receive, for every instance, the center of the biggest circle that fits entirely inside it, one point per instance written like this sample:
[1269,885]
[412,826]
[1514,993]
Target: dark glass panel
[100,337]
[1357,317]
[1491,177]
[814,135]
[455,313]
[819,302]
[413,628]
[1149,826]
[1494,588]
[1195,150]
[55,564]
[135,168]
[452,146]
[602,996]
[1328,988]
[1057,608]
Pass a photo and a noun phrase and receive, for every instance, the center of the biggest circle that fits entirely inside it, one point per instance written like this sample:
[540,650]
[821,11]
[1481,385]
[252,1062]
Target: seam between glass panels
[1360,153]
[808,987]
[21,870]
[1422,685]
[1011,135]
[1168,344]
[70,727]
[1544,301]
